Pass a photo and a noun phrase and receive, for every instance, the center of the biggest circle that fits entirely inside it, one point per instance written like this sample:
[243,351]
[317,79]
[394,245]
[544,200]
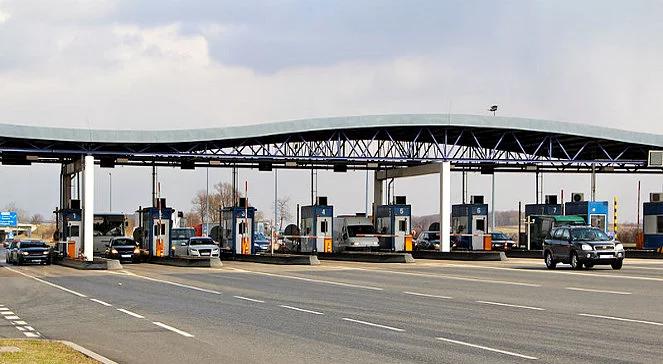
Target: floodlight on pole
[493,109]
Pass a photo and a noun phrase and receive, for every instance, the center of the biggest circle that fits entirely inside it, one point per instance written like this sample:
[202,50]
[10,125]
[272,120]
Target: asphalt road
[461,312]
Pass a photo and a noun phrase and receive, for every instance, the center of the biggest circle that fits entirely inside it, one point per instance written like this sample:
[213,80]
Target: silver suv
[582,246]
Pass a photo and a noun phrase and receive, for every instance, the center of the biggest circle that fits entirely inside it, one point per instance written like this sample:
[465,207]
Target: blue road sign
[8,218]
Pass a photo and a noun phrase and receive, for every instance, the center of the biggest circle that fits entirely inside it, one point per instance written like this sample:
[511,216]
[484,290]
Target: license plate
[126,256]
[606,256]
[204,254]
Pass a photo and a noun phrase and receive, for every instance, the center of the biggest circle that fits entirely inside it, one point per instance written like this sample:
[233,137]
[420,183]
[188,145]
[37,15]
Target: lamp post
[110,192]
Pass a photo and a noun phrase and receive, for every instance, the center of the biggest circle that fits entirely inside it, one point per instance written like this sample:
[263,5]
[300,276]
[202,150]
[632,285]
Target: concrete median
[96,264]
[460,255]
[368,257]
[280,259]
[192,262]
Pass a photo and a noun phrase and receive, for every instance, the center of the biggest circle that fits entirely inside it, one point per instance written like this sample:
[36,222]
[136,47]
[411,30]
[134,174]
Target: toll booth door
[72,241]
[160,238]
[243,233]
[478,230]
[324,239]
[401,229]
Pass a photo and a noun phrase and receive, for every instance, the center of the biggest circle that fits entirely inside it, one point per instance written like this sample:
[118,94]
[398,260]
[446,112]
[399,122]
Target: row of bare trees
[23,216]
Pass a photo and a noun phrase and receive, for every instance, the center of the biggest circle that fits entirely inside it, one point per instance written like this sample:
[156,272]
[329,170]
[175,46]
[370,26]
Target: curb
[89,353]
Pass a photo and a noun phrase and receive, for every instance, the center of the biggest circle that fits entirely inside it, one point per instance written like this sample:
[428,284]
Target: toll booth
[653,224]
[595,213]
[469,224]
[393,223]
[317,227]
[238,229]
[156,226]
[543,209]
[68,228]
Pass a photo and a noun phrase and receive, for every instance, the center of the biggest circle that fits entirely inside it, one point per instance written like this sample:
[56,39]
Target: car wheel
[589,265]
[550,261]
[617,264]
[575,262]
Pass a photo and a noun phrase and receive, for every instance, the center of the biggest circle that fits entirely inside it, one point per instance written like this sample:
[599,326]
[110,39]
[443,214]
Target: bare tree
[283,210]
[199,205]
[21,214]
[36,219]
[192,218]
[224,192]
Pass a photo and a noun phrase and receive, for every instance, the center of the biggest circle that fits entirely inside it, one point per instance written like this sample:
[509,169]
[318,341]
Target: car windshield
[182,234]
[204,241]
[499,236]
[589,234]
[355,230]
[33,244]
[124,242]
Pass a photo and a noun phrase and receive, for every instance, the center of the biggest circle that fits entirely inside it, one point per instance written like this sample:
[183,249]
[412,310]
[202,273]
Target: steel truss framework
[361,148]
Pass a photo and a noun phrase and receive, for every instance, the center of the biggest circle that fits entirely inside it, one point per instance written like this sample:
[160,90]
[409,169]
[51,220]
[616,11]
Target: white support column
[88,207]
[445,206]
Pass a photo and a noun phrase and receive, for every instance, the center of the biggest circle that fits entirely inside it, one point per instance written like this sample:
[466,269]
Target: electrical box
[393,225]
[238,229]
[317,227]
[595,213]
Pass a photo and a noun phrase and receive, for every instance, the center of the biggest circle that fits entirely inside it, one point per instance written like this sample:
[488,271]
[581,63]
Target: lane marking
[342,284]
[131,313]
[12,317]
[248,299]
[3,309]
[596,290]
[427,295]
[301,310]
[638,267]
[101,302]
[621,319]
[20,328]
[468,279]
[373,325]
[30,328]
[7,313]
[510,305]
[546,271]
[181,285]
[488,349]
[19,323]
[48,283]
[178,331]
[30,334]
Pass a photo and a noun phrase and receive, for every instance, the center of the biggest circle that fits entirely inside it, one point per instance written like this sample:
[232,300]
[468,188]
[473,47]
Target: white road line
[335,283]
[3,309]
[301,310]
[12,317]
[427,295]
[30,334]
[596,290]
[100,302]
[621,319]
[48,283]
[20,328]
[248,299]
[510,305]
[6,313]
[446,276]
[178,331]
[487,348]
[30,328]
[19,323]
[373,325]
[181,285]
[131,313]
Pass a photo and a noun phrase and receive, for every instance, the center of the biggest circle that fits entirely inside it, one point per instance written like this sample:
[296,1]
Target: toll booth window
[242,228]
[160,229]
[598,221]
[481,225]
[659,224]
[74,231]
[402,225]
[324,228]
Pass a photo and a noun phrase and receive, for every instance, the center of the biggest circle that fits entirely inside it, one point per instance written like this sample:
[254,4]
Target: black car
[31,251]
[123,249]
[582,246]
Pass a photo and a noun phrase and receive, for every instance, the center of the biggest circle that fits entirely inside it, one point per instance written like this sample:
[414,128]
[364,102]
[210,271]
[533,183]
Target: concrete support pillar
[377,193]
[492,204]
[88,207]
[445,206]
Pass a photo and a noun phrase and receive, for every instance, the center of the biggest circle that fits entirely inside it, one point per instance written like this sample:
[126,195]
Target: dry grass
[42,352]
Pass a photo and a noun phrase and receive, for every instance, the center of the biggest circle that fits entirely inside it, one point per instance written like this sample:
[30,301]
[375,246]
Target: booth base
[282,259]
[470,255]
[96,264]
[523,253]
[195,262]
[366,257]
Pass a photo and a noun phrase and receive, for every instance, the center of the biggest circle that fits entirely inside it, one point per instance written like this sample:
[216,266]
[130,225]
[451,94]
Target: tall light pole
[110,192]
[206,219]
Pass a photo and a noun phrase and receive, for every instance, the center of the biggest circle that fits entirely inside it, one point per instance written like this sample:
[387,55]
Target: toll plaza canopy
[352,142]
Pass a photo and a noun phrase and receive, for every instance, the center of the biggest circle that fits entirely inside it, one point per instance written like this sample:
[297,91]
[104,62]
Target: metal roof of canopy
[407,139]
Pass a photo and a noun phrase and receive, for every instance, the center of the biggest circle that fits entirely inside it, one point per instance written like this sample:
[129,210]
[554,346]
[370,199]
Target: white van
[354,232]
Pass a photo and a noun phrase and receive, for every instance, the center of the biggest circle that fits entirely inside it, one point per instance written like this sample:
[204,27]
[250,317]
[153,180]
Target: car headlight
[619,246]
[114,251]
[136,251]
[586,247]
[25,253]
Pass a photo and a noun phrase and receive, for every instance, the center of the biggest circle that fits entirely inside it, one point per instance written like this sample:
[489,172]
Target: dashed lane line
[21,325]
[131,313]
[621,319]
[373,324]
[249,299]
[101,302]
[596,290]
[454,277]
[48,283]
[427,295]
[170,328]
[301,310]
[510,353]
[511,305]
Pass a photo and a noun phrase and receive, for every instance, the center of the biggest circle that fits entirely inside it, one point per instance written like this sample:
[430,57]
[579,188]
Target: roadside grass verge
[41,352]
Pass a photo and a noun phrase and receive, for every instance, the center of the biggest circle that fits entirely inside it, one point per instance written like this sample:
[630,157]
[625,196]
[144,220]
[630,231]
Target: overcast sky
[184,64]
